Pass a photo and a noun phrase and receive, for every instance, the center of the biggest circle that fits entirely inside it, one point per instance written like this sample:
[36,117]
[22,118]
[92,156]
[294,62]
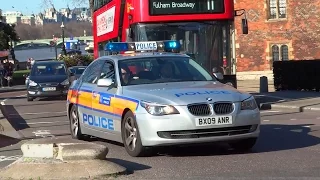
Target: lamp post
[63,46]
[55,46]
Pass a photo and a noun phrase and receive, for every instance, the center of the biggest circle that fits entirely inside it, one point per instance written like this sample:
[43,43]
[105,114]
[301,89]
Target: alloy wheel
[130,134]
[74,122]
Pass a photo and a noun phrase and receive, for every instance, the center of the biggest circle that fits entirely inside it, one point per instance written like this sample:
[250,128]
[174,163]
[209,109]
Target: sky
[28,7]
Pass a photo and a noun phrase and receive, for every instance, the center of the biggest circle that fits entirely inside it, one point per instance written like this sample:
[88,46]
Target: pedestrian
[32,61]
[29,63]
[2,74]
[9,74]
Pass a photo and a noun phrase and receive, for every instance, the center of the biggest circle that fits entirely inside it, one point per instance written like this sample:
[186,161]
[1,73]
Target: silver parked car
[159,99]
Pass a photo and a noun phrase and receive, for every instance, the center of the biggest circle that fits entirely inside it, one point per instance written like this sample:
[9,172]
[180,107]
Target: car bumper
[39,93]
[181,129]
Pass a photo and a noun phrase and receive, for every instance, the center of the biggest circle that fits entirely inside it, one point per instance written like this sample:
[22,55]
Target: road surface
[288,147]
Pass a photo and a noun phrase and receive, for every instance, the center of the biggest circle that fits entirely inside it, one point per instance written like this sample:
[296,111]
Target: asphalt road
[288,147]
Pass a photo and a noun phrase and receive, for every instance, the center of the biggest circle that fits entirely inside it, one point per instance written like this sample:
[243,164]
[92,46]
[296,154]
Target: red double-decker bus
[203,27]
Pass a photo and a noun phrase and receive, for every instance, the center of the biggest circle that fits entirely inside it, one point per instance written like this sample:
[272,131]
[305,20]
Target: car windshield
[48,69]
[77,70]
[161,70]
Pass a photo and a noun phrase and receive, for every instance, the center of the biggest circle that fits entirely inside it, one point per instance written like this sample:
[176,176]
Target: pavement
[13,88]
[299,101]
[287,143]
[51,158]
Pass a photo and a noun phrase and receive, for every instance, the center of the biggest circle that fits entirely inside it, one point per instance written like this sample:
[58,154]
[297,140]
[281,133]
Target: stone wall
[300,31]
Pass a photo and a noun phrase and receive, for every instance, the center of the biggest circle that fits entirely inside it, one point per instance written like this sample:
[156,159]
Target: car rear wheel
[75,124]
[131,137]
[243,145]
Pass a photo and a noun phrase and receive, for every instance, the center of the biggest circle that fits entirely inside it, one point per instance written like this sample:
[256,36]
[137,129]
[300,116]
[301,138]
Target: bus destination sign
[180,7]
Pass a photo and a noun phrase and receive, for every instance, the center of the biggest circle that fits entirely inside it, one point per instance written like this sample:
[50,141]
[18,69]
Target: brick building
[278,30]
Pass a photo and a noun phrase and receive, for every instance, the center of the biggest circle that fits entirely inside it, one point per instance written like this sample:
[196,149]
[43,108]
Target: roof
[120,57]
[77,67]
[49,62]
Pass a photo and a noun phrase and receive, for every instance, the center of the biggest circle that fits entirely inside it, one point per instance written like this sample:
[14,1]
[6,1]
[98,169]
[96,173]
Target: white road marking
[22,95]
[293,119]
[318,117]
[266,120]
[43,133]
[2,102]
[9,158]
[269,111]
[44,122]
[35,113]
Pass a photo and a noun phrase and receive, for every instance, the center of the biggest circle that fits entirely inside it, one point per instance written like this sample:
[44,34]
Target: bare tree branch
[46,3]
[76,3]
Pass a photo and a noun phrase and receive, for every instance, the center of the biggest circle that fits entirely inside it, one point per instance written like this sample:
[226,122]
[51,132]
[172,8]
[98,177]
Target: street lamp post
[63,46]
[55,46]
[11,46]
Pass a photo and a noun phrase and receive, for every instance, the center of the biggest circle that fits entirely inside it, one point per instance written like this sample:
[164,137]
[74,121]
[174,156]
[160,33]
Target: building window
[280,52]
[277,9]
[99,3]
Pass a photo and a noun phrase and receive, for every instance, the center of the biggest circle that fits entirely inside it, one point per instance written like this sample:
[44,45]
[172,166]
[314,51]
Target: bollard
[264,84]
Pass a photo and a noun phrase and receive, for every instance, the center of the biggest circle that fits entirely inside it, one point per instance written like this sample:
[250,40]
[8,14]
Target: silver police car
[153,99]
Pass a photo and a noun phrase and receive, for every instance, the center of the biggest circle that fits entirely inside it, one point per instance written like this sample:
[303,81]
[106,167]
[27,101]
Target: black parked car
[75,72]
[47,79]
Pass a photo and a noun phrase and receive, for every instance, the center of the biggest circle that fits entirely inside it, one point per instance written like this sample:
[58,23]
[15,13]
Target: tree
[48,3]
[46,31]
[7,33]
[81,2]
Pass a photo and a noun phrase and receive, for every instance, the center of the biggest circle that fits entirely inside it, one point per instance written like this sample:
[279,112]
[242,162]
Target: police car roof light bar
[116,46]
[153,46]
[172,45]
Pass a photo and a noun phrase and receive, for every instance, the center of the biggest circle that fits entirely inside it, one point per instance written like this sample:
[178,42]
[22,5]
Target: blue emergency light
[146,46]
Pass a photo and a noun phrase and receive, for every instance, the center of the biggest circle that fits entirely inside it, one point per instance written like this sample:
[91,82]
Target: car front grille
[203,133]
[223,108]
[48,84]
[206,109]
[200,109]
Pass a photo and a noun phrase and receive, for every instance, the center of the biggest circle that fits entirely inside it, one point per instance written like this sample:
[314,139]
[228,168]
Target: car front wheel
[29,98]
[131,137]
[243,145]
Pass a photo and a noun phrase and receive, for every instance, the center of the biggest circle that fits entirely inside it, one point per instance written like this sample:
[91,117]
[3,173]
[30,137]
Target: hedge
[297,75]
[19,74]
[75,60]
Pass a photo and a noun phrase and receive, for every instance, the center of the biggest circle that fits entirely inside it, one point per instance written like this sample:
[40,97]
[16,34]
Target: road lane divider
[38,113]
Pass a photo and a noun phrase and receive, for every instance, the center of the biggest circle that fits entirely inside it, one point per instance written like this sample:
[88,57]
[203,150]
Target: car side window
[91,74]
[108,71]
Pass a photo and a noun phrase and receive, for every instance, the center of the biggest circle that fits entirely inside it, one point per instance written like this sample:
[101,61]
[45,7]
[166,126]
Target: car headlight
[249,104]
[158,109]
[65,82]
[32,83]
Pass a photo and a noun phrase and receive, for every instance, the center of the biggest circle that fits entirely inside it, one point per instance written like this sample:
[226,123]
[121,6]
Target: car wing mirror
[104,82]
[218,75]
